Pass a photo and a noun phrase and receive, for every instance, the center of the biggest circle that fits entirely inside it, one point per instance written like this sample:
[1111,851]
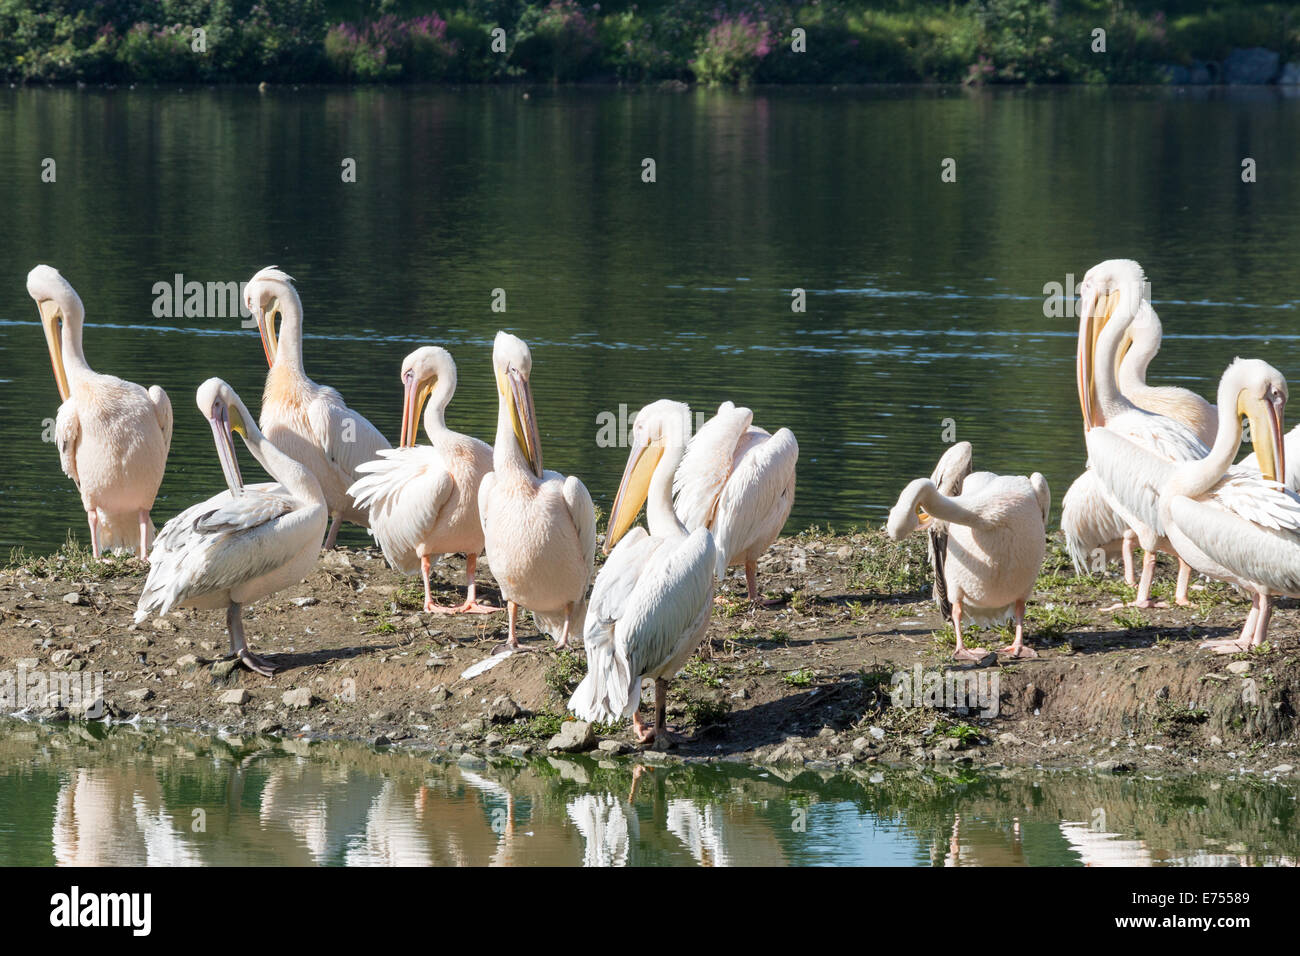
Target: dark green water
[925,298]
[86,795]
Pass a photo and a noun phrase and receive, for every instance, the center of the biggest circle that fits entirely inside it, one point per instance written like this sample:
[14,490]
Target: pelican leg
[1126,549]
[663,735]
[1018,648]
[424,573]
[1246,640]
[751,585]
[1261,624]
[239,647]
[513,640]
[1143,598]
[563,642]
[471,605]
[92,518]
[1184,580]
[144,536]
[334,531]
[962,653]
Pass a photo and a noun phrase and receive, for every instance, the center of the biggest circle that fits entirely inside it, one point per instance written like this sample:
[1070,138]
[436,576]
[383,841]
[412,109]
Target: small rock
[1282,768]
[471,762]
[611,746]
[73,597]
[1010,740]
[162,624]
[439,694]
[877,732]
[503,709]
[306,601]
[266,725]
[237,697]
[1216,740]
[844,555]
[298,697]
[61,658]
[142,694]
[1239,667]
[574,736]
[223,669]
[187,660]
[474,726]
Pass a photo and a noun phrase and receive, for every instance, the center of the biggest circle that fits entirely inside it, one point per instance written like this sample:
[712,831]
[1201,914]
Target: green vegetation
[565,672]
[733,42]
[72,561]
[803,677]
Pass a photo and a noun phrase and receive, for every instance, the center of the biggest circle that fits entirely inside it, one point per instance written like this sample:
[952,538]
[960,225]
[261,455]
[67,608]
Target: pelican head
[907,515]
[658,427]
[227,415]
[513,364]
[262,295]
[59,305]
[1260,395]
[422,371]
[1105,288]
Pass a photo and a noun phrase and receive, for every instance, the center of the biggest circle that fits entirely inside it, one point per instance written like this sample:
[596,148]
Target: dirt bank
[809,681]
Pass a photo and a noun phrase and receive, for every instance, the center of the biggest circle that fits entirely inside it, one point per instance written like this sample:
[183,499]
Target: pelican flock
[1159,473]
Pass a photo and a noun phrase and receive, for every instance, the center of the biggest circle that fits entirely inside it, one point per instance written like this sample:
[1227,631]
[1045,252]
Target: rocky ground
[810,680]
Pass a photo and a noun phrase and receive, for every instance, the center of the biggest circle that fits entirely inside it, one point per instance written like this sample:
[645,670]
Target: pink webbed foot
[1023,651]
[1238,645]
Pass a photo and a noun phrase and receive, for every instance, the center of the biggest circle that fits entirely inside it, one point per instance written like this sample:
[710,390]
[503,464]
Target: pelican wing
[1088,520]
[707,464]
[404,491]
[220,543]
[757,498]
[1133,471]
[67,432]
[346,437]
[948,476]
[162,408]
[1043,494]
[1265,555]
[652,596]
[1292,449]
[583,512]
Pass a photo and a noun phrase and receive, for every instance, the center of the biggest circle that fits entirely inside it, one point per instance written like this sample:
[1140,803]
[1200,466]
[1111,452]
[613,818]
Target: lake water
[88,795]
[925,299]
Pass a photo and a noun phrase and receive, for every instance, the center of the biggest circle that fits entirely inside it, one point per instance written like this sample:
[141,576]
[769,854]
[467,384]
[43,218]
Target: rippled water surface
[925,299]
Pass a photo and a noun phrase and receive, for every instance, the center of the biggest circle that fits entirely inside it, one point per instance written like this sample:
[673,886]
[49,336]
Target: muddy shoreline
[811,682]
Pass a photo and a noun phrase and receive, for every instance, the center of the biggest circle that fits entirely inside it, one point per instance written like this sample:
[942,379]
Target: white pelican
[996,543]
[539,527]
[1231,523]
[307,421]
[243,544]
[1291,445]
[113,435]
[423,500]
[953,468]
[1139,346]
[650,606]
[1110,300]
[738,481]
[1091,524]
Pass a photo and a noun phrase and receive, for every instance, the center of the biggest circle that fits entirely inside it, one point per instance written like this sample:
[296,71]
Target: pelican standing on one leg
[423,499]
[996,544]
[539,527]
[651,603]
[1232,523]
[307,421]
[113,436]
[737,480]
[243,544]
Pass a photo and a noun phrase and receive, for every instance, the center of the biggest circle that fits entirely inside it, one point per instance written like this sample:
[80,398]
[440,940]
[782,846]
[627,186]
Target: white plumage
[423,499]
[738,481]
[113,436]
[244,543]
[308,422]
[650,607]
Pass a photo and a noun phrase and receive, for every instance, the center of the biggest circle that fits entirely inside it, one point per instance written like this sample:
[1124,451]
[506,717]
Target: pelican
[650,606]
[245,543]
[737,480]
[1291,445]
[307,421]
[539,527]
[113,436]
[423,501]
[1231,523]
[1139,346]
[953,468]
[1110,301]
[996,543]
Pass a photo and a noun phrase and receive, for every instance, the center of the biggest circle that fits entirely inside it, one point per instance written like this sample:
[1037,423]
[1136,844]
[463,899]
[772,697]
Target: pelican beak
[633,490]
[416,394]
[1266,435]
[1094,312]
[518,395]
[1125,344]
[225,421]
[266,329]
[54,341]
[923,518]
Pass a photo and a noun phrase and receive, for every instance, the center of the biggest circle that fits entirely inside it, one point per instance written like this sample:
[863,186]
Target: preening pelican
[1110,301]
[304,420]
[243,544]
[738,481]
[1139,346]
[113,436]
[539,527]
[953,468]
[651,603]
[423,499]
[1228,522]
[996,543]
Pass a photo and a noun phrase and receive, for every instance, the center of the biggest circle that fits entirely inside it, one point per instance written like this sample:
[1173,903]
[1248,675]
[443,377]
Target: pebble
[187,660]
[306,601]
[1239,667]
[1282,768]
[574,736]
[224,668]
[612,746]
[73,597]
[141,694]
[236,697]
[504,709]
[298,697]
[844,554]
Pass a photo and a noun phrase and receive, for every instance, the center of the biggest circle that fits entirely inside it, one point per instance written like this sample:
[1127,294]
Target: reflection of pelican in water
[1100,848]
[978,843]
[322,806]
[736,836]
[106,817]
[608,828]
